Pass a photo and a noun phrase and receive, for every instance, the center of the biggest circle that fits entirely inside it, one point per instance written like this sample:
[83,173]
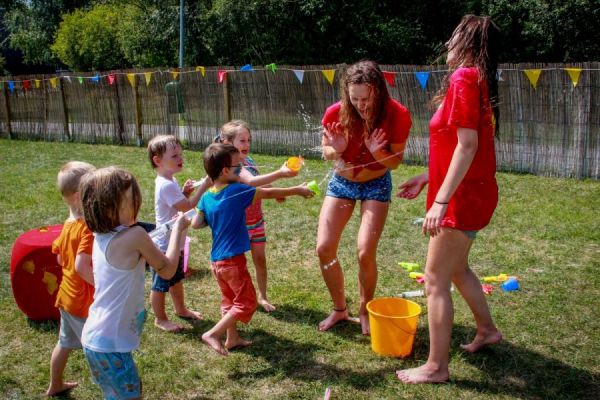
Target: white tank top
[117,315]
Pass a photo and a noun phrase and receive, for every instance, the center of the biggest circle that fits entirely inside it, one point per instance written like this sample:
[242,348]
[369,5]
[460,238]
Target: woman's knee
[326,251]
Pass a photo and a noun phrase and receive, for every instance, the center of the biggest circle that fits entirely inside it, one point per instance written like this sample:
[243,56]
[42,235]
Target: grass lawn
[546,231]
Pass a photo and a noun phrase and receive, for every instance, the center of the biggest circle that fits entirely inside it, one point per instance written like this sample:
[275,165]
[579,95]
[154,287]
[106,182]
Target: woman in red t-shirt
[366,132]
[462,192]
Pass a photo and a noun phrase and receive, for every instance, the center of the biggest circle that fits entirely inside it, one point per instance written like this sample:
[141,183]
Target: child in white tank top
[111,200]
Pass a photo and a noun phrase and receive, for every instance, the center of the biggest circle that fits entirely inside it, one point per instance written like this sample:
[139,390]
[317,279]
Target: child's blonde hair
[230,130]
[102,192]
[69,176]
[158,145]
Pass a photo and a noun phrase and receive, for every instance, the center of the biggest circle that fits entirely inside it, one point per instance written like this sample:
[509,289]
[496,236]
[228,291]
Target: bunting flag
[111,79]
[131,79]
[272,67]
[574,74]
[221,75]
[202,70]
[422,77]
[38,83]
[533,75]
[80,79]
[53,82]
[11,86]
[499,77]
[390,77]
[26,85]
[329,75]
[95,78]
[247,68]
[175,74]
[148,77]
[299,74]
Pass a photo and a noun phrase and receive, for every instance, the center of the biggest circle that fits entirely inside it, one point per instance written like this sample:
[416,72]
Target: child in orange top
[76,291]
[237,133]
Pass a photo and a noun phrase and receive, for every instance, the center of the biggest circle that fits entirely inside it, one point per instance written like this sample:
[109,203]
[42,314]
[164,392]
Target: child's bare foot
[268,307]
[65,387]
[364,324]
[167,325]
[238,343]
[481,340]
[215,343]
[335,317]
[422,374]
[191,314]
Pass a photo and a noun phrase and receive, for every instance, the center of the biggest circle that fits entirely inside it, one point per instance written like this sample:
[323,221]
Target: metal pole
[181,35]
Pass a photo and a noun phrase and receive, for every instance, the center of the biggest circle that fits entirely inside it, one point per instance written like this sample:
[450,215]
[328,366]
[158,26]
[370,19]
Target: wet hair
[70,175]
[368,73]
[158,146]
[475,42]
[230,130]
[102,192]
[218,156]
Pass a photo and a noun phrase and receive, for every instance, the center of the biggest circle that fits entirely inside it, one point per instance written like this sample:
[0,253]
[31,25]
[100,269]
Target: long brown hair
[368,73]
[102,191]
[475,42]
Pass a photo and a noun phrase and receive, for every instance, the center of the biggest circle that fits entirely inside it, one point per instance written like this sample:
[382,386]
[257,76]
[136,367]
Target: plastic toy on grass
[496,278]
[487,288]
[408,266]
[314,187]
[416,275]
[295,163]
[511,284]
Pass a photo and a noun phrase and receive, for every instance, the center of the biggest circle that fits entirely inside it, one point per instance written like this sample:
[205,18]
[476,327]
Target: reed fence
[551,130]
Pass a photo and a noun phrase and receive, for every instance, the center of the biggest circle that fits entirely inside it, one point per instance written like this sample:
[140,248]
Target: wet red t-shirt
[466,105]
[395,124]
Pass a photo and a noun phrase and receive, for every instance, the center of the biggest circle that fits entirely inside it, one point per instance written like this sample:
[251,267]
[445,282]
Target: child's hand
[181,223]
[286,171]
[304,191]
[188,187]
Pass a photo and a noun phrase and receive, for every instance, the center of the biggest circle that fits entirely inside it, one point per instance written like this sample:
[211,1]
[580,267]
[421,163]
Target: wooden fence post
[120,127]
[7,110]
[65,111]
[138,115]
[226,98]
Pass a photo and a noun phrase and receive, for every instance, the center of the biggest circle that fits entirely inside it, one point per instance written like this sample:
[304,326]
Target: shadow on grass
[43,326]
[296,360]
[519,372]
[310,317]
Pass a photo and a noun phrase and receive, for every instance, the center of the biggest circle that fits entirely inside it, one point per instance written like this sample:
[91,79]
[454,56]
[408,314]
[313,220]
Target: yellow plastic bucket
[393,325]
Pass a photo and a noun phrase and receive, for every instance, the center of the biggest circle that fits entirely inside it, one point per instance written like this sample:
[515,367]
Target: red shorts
[238,295]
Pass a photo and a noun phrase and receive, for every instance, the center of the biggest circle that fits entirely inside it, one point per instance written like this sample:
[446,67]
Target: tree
[89,39]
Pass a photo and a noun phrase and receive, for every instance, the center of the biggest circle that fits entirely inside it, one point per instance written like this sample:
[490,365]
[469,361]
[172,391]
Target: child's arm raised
[190,202]
[260,180]
[277,193]
[165,265]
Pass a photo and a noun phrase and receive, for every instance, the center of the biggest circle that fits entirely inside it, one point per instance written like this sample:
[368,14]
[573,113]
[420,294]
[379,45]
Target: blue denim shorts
[163,285]
[379,189]
[115,373]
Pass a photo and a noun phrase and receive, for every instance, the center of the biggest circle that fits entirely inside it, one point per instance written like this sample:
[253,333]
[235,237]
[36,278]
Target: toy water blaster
[168,226]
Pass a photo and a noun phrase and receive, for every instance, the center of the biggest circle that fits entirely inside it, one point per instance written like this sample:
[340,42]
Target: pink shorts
[238,295]
[257,232]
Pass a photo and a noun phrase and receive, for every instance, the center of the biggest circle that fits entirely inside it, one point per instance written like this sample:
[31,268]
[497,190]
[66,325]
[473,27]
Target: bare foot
[422,374]
[57,391]
[191,314]
[364,324]
[238,343]
[268,307]
[167,325]
[333,318]
[215,343]
[481,340]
